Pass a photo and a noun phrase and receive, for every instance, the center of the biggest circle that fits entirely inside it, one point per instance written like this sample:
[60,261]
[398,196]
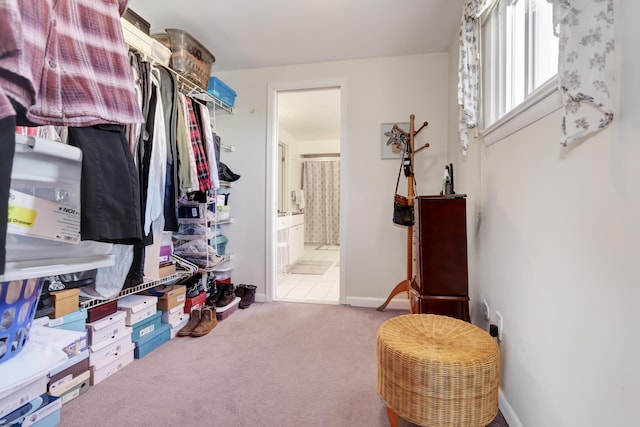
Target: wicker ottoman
[438,371]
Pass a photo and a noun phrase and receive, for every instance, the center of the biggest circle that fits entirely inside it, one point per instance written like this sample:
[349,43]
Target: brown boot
[208,321]
[193,322]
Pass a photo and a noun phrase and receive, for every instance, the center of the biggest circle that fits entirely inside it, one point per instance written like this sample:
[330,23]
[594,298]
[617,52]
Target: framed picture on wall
[393,141]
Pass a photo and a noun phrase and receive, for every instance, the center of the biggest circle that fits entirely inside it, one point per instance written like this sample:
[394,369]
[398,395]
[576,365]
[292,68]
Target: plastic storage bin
[44,205]
[188,56]
[220,243]
[18,301]
[220,90]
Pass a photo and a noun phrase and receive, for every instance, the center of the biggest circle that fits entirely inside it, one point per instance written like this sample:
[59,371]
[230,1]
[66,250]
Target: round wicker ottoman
[438,371]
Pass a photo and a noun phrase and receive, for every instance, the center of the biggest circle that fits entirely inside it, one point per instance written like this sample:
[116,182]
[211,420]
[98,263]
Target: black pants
[110,190]
[7,150]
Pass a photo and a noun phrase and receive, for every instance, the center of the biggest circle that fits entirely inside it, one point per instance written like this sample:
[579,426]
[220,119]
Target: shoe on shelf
[194,320]
[225,174]
[208,321]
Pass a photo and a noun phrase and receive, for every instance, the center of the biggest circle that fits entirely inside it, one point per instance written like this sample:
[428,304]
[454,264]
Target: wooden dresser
[440,257]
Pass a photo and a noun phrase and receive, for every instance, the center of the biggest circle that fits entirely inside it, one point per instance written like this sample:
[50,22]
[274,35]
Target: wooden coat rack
[405,285]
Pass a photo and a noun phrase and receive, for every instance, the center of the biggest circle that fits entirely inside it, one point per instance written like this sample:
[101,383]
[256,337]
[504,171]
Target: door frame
[272,178]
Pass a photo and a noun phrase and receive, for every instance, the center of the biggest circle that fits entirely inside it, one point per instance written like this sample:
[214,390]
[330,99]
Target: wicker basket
[438,371]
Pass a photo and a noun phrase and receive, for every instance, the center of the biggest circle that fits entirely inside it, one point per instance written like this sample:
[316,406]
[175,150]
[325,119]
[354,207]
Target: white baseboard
[508,413]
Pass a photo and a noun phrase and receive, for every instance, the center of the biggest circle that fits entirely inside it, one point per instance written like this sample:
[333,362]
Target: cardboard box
[74,321]
[107,329]
[165,254]
[137,307]
[107,352]
[100,374]
[65,302]
[43,411]
[150,342]
[169,296]
[67,374]
[146,326]
[174,316]
[101,311]
[195,302]
[167,270]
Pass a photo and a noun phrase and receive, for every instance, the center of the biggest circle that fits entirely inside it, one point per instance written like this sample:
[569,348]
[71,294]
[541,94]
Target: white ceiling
[245,34]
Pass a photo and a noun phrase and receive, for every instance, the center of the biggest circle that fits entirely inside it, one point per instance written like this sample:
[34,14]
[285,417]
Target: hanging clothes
[211,149]
[157,158]
[187,171]
[169,96]
[194,126]
[66,62]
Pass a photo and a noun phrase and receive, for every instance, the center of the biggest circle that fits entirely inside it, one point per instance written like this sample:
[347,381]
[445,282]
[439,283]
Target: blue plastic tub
[219,90]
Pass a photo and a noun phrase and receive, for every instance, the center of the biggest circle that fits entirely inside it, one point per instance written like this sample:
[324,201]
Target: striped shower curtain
[321,185]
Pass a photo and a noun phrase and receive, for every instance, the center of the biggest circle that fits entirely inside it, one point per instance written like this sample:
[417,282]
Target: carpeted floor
[273,365]
[310,266]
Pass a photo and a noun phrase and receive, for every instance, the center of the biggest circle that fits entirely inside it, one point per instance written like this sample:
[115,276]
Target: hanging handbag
[402,210]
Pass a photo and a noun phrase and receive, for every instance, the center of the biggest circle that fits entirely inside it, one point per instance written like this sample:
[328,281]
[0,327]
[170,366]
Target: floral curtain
[321,184]
[585,65]
[469,68]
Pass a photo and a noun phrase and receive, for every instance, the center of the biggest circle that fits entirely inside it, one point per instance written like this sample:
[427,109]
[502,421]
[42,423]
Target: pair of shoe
[202,321]
[247,294]
[222,294]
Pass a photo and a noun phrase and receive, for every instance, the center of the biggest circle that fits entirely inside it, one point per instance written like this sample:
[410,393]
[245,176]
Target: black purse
[402,210]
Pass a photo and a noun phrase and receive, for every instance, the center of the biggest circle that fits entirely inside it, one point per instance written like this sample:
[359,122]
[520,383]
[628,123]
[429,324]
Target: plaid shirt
[202,164]
[66,62]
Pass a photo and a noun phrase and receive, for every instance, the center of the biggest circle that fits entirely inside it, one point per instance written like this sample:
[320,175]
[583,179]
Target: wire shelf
[189,269]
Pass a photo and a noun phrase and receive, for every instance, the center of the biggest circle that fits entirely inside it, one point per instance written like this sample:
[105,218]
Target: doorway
[305,245]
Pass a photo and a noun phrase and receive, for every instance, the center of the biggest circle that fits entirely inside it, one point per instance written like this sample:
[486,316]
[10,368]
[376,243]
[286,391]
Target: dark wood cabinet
[440,256]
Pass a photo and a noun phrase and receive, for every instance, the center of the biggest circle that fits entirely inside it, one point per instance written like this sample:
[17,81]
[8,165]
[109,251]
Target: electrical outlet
[500,324]
[486,311]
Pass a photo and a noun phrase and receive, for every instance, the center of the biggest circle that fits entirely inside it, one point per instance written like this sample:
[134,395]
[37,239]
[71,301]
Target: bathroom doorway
[306,175]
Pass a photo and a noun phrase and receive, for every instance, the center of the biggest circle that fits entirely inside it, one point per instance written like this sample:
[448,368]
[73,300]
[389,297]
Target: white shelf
[207,97]
[17,270]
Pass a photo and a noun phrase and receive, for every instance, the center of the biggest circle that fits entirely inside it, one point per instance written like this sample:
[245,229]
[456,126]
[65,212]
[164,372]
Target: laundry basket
[18,301]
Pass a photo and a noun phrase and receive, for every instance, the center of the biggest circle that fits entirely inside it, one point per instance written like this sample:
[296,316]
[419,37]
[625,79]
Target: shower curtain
[321,185]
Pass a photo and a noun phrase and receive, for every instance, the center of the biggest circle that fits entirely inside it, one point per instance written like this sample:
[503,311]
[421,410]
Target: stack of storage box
[142,315]
[171,303]
[110,346]
[72,378]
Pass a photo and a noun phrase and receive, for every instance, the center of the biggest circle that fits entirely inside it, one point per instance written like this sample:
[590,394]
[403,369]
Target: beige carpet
[272,365]
[309,266]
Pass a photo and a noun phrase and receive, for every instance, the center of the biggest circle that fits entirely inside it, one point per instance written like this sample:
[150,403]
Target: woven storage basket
[438,371]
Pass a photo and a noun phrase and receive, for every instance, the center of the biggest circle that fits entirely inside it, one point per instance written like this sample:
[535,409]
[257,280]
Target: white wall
[557,252]
[377,91]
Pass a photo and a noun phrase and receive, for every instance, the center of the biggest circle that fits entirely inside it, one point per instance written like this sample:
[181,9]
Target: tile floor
[313,288]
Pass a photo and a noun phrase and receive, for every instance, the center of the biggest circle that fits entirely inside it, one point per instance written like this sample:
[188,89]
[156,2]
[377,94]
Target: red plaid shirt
[66,62]
[202,165]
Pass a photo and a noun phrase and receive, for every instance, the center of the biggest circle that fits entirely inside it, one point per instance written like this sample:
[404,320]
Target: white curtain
[469,69]
[585,65]
[321,184]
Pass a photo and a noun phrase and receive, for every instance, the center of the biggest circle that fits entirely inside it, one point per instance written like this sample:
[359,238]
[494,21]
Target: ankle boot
[240,291]
[208,321]
[214,294]
[190,326]
[249,296]
[227,295]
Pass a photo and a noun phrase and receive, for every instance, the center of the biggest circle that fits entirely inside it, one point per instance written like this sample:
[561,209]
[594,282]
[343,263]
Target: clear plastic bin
[188,56]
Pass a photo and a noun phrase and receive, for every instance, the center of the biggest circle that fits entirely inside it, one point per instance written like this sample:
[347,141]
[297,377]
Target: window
[519,53]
